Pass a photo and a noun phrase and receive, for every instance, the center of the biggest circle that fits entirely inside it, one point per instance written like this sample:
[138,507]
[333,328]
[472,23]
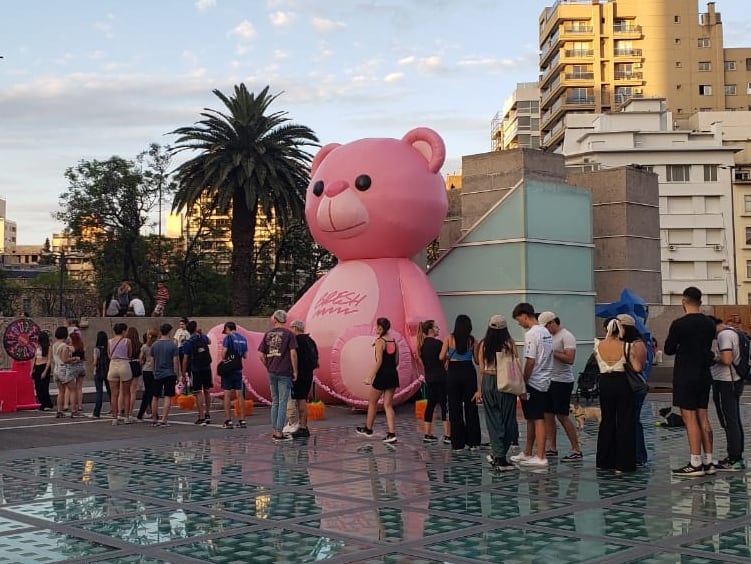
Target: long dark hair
[463,339]
[631,334]
[101,339]
[44,342]
[425,327]
[496,340]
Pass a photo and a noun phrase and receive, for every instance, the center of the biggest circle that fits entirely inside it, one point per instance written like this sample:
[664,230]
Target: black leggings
[436,392]
[463,414]
[148,393]
[42,386]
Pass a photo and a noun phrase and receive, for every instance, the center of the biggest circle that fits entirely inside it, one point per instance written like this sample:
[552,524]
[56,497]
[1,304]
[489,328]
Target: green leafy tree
[250,161]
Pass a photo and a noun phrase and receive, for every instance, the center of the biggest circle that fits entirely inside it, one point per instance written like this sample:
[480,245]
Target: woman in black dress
[384,378]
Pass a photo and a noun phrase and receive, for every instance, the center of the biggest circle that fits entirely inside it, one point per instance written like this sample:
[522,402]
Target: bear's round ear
[322,154]
[430,145]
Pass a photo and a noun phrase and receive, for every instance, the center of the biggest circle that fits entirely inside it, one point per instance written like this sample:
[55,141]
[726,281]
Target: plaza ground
[83,491]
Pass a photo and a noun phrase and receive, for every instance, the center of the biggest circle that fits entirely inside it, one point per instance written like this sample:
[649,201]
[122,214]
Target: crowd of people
[459,371]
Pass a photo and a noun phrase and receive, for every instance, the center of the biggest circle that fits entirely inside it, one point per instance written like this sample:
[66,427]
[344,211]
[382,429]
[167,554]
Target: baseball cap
[298,324]
[280,315]
[497,322]
[546,317]
[626,319]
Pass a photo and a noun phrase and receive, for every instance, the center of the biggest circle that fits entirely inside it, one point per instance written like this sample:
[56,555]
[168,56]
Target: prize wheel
[21,338]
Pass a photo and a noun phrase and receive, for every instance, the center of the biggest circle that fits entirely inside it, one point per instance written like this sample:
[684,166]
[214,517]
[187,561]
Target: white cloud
[190,57]
[430,65]
[244,30]
[407,60]
[203,5]
[105,28]
[393,77]
[281,19]
[494,63]
[323,25]
[280,55]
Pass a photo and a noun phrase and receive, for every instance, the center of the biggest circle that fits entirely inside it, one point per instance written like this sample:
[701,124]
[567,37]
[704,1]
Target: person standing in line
[65,378]
[100,362]
[561,387]
[461,385]
[727,388]
[500,407]
[136,366]
[307,362]
[119,373]
[278,353]
[78,351]
[147,373]
[181,335]
[196,365]
[537,368]
[232,383]
[40,371]
[166,368]
[429,357]
[384,379]
[690,339]
[631,335]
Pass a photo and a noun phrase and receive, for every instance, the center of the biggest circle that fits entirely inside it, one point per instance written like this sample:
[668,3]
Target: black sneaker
[364,431]
[573,456]
[709,469]
[207,421]
[301,433]
[241,424]
[689,471]
[228,424]
[430,439]
[727,465]
[446,440]
[390,438]
[501,464]
[200,421]
[281,438]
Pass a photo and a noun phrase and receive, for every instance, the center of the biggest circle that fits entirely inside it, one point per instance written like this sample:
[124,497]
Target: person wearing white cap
[278,353]
[561,386]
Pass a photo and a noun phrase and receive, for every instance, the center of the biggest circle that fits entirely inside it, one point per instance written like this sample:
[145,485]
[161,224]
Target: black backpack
[308,352]
[199,352]
[743,368]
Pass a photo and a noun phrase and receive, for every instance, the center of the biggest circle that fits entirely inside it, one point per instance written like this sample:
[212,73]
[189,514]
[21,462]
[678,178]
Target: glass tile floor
[209,495]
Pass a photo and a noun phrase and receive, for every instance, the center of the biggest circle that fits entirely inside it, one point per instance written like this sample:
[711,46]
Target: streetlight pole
[62,283]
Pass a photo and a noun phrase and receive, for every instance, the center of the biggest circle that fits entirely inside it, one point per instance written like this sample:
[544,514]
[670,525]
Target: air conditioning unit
[638,91]
[638,65]
[671,247]
[718,247]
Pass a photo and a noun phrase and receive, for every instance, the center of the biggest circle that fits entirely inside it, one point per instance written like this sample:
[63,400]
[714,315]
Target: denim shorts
[233,381]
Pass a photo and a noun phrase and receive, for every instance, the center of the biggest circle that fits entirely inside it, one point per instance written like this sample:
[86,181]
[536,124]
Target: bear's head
[376,198]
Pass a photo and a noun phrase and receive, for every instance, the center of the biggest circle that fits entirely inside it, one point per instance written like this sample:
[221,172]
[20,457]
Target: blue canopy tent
[637,308]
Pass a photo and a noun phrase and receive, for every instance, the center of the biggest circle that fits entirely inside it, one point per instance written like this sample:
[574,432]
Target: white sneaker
[534,461]
[290,428]
[519,457]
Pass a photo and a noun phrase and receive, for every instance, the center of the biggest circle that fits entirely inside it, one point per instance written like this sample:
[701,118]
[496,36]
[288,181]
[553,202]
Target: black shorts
[691,393]
[559,398]
[165,387]
[534,407]
[301,386]
[201,378]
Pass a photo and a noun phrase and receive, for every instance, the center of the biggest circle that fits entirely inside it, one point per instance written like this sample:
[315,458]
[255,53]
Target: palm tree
[250,162]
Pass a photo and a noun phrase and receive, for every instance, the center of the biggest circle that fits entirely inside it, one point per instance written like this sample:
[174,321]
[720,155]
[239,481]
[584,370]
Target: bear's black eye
[362,182]
[318,188]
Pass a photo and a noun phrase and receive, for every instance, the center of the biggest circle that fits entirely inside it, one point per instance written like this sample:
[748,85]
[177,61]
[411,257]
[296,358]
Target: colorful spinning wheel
[21,338]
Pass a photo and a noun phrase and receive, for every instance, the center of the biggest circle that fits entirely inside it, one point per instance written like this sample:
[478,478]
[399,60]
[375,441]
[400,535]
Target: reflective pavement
[192,494]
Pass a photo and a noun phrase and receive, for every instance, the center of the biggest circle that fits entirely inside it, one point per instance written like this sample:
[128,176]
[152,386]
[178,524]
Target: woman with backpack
[100,362]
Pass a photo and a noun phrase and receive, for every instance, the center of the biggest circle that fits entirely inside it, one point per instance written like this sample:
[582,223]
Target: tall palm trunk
[243,230]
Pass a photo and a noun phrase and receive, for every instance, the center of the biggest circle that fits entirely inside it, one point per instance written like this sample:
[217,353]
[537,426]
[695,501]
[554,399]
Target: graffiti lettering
[342,302]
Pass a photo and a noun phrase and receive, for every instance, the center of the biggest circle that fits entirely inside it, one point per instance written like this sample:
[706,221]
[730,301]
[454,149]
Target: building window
[729,65]
[747,203]
[748,64]
[677,41]
[748,88]
[748,236]
[678,173]
[710,173]
[678,64]
[748,269]
[705,66]
[676,19]
[730,90]
[705,90]
[704,42]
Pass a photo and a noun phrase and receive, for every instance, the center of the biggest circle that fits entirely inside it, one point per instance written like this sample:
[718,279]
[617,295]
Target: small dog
[670,419]
[581,414]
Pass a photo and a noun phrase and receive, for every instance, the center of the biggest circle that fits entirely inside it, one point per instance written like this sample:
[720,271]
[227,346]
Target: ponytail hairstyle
[425,328]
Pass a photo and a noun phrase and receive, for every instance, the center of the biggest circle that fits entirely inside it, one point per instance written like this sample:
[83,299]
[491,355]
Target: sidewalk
[83,491]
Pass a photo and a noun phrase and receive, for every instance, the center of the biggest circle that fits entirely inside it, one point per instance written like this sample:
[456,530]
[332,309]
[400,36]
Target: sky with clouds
[88,79]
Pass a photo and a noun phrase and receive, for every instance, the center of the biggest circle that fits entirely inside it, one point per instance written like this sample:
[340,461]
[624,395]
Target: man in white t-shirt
[561,386]
[537,368]
[727,388]
[136,307]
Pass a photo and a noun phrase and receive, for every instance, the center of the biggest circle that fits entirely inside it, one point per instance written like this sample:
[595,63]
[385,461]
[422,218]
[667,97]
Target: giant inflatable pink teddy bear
[374,203]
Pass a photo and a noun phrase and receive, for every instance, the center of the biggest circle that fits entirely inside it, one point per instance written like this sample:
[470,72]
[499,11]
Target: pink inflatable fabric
[374,203]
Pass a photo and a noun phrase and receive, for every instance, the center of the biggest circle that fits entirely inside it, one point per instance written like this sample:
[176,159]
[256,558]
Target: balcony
[627,29]
[578,30]
[742,176]
[627,52]
[548,115]
[580,100]
[579,53]
[551,89]
[589,76]
[627,75]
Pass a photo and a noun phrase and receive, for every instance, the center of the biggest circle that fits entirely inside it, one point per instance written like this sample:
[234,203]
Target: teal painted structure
[534,245]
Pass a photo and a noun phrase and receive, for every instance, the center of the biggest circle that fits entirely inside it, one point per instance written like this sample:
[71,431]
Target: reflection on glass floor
[337,497]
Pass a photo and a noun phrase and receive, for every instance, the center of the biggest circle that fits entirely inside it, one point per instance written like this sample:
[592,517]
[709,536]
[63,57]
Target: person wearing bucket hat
[500,406]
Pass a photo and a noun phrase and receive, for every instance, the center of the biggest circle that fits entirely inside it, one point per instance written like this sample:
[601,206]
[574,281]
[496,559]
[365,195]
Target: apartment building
[695,184]
[517,125]
[596,55]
